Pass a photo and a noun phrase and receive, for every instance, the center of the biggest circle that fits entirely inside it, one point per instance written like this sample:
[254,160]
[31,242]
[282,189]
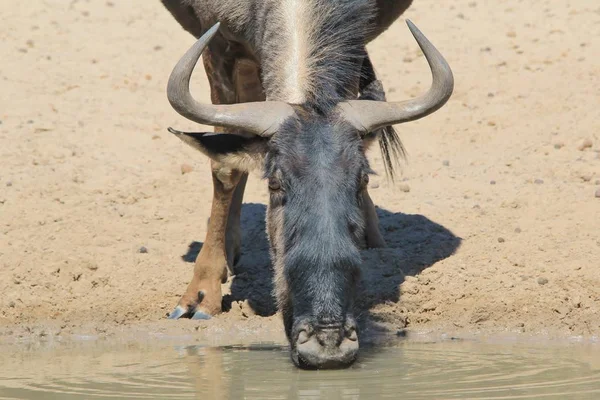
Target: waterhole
[406,370]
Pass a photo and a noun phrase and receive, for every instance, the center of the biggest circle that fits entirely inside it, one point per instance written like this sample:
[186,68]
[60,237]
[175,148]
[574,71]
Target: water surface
[408,370]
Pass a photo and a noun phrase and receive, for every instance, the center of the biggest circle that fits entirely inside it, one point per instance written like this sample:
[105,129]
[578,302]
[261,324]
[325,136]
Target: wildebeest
[295,95]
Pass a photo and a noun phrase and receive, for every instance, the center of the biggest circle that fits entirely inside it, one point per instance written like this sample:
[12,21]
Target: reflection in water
[410,370]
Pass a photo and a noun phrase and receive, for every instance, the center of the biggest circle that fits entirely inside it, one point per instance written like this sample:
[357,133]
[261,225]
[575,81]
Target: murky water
[409,370]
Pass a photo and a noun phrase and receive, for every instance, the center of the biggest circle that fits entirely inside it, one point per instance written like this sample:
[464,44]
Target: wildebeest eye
[364,180]
[274,184]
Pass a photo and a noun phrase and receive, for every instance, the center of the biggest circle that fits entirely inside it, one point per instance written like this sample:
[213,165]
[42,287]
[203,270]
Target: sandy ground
[493,227]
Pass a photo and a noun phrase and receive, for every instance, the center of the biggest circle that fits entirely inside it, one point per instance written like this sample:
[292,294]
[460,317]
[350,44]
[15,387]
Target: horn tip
[413,28]
[174,131]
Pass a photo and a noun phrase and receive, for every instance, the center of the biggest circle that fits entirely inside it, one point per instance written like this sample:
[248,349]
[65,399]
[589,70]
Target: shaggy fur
[311,52]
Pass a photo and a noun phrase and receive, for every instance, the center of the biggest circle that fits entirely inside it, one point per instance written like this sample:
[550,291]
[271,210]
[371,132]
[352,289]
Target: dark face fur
[317,171]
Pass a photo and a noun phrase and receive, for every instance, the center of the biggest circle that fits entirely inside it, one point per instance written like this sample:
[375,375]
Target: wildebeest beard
[317,171]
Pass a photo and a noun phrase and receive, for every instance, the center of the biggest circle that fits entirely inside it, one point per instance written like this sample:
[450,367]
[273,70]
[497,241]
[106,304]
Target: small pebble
[12,304]
[518,230]
[9,184]
[501,240]
[559,145]
[404,187]
[597,194]
[538,181]
[492,182]
[446,163]
[586,178]
[374,185]
[585,144]
[142,250]
[186,169]
[542,281]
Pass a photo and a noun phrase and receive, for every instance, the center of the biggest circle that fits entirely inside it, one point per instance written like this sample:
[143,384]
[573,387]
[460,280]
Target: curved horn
[371,115]
[261,118]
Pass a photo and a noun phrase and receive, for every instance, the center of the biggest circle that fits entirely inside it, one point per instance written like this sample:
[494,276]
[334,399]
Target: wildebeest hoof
[177,313]
[199,308]
[201,315]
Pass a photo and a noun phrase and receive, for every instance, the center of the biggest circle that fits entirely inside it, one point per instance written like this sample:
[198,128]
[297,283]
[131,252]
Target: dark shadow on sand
[414,244]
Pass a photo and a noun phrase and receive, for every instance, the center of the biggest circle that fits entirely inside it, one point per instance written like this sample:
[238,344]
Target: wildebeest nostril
[352,335]
[303,337]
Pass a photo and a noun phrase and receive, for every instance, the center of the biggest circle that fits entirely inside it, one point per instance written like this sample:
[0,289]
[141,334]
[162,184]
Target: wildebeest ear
[244,153]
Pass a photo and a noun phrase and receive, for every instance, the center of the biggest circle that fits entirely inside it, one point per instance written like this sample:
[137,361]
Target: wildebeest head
[317,173]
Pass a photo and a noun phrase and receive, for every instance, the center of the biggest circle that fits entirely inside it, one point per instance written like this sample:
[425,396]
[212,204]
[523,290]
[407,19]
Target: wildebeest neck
[313,50]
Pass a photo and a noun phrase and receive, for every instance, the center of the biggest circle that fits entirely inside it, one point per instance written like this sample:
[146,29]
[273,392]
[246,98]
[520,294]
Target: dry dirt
[493,226]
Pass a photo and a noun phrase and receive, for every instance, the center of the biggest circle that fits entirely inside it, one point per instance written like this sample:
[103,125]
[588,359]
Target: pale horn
[368,115]
[261,118]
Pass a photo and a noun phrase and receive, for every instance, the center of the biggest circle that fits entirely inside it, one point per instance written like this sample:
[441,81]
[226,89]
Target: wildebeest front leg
[231,81]
[203,295]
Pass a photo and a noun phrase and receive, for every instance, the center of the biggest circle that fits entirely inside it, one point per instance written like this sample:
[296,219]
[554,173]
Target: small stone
[186,169]
[143,250]
[490,95]
[559,145]
[511,34]
[12,304]
[518,230]
[492,182]
[445,163]
[9,184]
[404,187]
[586,177]
[374,185]
[585,144]
[501,240]
[597,194]
[538,181]
[157,48]
[542,281]
[92,266]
